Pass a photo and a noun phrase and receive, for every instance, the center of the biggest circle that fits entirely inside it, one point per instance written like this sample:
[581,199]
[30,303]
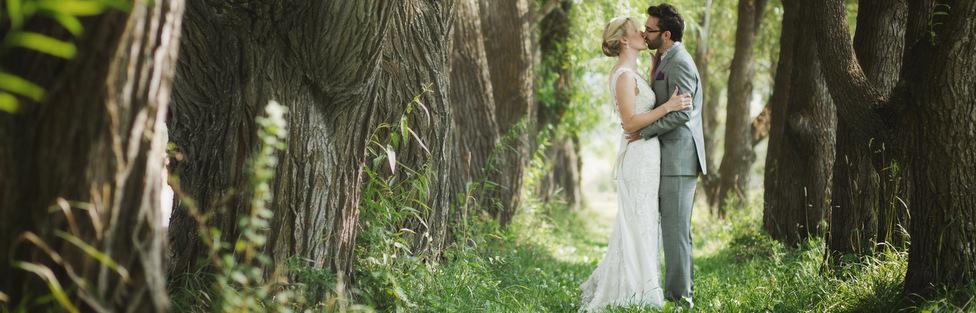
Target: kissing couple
[661,155]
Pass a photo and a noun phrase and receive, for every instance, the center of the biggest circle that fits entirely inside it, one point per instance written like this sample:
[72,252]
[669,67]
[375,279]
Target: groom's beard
[654,44]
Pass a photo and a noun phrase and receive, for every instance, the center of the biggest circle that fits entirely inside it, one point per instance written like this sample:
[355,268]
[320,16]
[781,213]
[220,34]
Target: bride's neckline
[632,70]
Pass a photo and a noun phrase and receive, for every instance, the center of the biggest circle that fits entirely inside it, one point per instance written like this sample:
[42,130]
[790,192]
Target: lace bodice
[644,100]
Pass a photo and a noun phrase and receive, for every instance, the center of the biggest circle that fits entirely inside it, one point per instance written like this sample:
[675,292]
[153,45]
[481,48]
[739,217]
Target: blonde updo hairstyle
[616,29]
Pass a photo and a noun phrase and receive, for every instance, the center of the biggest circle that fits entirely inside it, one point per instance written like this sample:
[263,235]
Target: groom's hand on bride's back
[633,136]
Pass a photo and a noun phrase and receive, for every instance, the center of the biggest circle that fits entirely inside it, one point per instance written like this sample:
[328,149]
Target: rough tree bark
[928,121]
[739,155]
[801,138]
[83,167]
[509,48]
[857,200]
[419,54]
[474,106]
[341,68]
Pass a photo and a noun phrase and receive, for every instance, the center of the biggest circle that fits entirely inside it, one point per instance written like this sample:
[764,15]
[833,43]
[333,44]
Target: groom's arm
[686,78]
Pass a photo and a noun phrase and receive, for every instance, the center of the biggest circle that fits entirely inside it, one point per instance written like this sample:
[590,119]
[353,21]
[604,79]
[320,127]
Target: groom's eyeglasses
[647,29]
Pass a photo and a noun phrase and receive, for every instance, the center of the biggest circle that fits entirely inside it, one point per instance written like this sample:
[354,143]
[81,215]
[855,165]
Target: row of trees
[855,127]
[873,132]
[95,147]
[852,129]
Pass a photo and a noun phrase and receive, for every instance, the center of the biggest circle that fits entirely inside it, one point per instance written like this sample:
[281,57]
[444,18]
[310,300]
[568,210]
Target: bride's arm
[626,97]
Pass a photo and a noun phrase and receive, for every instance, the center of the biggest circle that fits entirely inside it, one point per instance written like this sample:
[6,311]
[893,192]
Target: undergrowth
[537,262]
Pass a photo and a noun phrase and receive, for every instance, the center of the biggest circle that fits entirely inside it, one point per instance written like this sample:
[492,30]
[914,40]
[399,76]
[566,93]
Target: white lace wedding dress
[629,274]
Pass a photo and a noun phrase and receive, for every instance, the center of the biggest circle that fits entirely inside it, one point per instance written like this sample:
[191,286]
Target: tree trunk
[508,44]
[419,55]
[234,61]
[474,107]
[801,139]
[942,230]
[896,181]
[857,200]
[93,151]
[739,155]
[928,121]
[710,182]
[563,181]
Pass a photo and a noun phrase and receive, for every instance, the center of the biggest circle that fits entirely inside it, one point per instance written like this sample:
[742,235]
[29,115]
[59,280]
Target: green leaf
[391,156]
[74,7]
[421,142]
[124,6]
[93,252]
[16,13]
[8,102]
[21,86]
[239,277]
[53,284]
[69,22]
[42,43]
[404,125]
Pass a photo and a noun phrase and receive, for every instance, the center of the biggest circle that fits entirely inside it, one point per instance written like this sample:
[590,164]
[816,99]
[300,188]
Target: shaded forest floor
[537,264]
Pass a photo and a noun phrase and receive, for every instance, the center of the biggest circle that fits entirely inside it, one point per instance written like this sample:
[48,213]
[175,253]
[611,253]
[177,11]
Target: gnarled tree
[927,122]
[801,138]
[342,69]
[858,201]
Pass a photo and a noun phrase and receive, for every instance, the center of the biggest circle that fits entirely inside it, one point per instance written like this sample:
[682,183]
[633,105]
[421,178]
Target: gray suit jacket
[680,132]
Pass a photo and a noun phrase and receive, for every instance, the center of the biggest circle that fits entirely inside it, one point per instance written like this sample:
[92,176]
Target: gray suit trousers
[677,200]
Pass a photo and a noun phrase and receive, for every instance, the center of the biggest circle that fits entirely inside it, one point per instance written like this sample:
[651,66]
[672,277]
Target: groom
[682,147]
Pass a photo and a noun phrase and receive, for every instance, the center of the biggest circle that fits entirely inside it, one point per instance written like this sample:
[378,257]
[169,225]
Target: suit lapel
[660,85]
[666,60]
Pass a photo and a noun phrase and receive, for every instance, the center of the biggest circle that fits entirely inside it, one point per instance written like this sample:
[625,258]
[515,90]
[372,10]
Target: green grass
[534,266]
[537,264]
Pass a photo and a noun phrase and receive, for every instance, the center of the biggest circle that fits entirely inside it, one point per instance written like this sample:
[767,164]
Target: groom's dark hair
[668,19]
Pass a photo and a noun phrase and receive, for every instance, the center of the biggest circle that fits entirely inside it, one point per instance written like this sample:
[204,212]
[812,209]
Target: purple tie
[657,62]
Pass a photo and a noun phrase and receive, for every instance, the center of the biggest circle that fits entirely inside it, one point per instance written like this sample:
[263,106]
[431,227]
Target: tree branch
[759,13]
[856,98]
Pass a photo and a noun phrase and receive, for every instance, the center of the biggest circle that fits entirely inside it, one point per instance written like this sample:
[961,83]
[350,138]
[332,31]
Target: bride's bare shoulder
[621,72]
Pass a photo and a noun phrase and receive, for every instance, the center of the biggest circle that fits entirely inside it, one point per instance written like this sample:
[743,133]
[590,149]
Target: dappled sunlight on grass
[538,262]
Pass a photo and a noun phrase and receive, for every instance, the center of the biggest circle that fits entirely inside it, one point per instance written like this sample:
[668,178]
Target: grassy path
[537,264]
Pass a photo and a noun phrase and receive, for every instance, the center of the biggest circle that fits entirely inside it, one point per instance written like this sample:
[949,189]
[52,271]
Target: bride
[629,274]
